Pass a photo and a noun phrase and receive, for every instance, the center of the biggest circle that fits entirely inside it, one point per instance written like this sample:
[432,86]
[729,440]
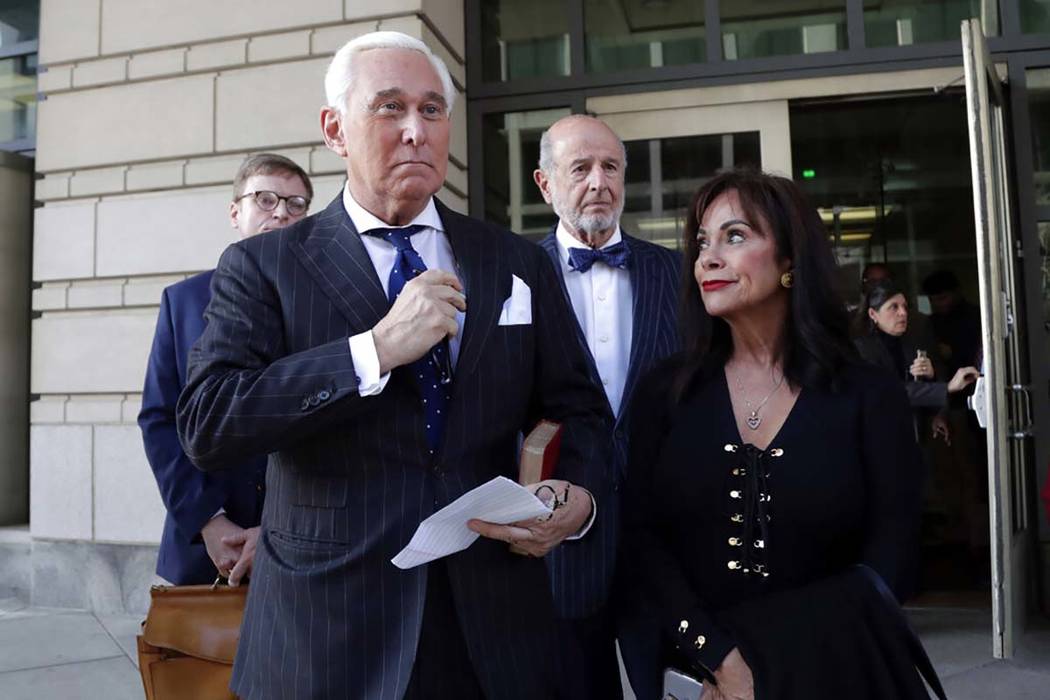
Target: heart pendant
[753,421]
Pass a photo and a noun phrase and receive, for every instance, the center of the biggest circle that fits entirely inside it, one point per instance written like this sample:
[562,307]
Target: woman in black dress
[767,463]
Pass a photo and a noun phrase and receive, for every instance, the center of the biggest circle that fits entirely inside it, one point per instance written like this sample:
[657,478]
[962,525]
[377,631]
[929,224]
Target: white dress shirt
[432,245]
[603,302]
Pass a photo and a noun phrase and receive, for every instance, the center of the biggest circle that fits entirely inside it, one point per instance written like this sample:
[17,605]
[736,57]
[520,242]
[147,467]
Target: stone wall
[147,108]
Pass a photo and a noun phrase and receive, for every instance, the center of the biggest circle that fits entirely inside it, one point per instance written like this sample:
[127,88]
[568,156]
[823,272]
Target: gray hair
[546,162]
[340,75]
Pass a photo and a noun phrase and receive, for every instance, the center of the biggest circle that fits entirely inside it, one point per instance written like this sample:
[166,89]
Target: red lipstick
[715,284]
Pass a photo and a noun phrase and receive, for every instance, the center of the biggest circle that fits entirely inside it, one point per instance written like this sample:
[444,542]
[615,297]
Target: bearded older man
[387,352]
[623,291]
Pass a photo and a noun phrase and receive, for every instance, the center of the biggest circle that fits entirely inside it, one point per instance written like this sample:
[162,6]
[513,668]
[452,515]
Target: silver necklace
[752,420]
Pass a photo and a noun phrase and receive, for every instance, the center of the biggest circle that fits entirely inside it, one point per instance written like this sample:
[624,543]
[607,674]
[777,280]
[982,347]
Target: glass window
[755,29]
[1044,282]
[1035,16]
[1038,82]
[524,39]
[19,21]
[627,35]
[891,178]
[17,98]
[512,152]
[664,174]
[907,22]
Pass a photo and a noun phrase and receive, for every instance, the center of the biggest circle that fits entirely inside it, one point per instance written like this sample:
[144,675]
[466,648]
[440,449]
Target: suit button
[324,394]
[305,405]
[259,488]
[314,400]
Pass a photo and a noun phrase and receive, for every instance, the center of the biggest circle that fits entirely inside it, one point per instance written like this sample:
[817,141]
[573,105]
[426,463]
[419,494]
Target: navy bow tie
[581,259]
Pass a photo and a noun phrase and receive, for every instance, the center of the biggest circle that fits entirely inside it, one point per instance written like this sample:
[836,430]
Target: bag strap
[918,653]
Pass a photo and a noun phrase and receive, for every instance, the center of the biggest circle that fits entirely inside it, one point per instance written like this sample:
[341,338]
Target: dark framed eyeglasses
[268,201]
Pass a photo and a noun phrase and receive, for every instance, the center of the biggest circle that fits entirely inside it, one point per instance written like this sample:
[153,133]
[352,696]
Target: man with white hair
[387,352]
[623,293]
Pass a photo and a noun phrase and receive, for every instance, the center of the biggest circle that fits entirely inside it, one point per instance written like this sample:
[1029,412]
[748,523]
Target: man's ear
[544,183]
[332,130]
[235,212]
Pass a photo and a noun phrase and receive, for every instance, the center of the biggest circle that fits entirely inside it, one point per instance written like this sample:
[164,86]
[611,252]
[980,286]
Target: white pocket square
[517,309]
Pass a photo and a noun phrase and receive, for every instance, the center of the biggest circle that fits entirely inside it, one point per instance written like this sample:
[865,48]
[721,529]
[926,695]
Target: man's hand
[246,541]
[214,534]
[941,429]
[964,377]
[423,314]
[734,679]
[538,536]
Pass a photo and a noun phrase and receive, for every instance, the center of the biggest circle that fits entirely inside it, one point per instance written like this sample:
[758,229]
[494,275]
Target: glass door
[1001,401]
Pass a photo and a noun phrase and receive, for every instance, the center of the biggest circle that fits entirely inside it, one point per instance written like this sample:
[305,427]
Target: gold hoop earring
[787,280]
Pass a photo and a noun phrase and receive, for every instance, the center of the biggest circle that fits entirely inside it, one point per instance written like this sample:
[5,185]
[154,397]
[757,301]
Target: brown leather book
[539,453]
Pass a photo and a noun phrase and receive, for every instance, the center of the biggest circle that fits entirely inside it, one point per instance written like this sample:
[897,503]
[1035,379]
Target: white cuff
[590,521]
[220,511]
[366,364]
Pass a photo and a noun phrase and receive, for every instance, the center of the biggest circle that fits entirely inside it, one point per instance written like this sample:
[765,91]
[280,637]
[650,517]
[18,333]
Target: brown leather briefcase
[189,641]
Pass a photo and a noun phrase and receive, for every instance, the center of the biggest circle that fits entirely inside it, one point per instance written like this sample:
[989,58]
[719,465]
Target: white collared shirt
[603,303]
[432,245]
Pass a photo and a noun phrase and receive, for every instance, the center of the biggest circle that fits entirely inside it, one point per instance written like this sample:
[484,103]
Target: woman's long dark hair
[815,343]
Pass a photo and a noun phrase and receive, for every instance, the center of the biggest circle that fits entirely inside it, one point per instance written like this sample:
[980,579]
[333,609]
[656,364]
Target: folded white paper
[445,532]
[517,309]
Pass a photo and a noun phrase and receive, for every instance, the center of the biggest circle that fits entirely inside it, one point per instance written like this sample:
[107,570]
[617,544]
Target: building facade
[146,107]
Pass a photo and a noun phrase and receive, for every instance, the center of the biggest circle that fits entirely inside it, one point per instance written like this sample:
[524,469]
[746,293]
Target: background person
[212,519]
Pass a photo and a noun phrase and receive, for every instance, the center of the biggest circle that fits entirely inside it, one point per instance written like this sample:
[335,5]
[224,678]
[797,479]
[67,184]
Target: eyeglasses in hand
[268,201]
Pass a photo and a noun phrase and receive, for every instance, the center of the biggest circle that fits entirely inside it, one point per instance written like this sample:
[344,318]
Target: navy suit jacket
[653,271]
[351,477]
[190,496]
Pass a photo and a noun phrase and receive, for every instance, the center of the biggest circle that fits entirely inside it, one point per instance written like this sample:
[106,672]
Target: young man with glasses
[212,521]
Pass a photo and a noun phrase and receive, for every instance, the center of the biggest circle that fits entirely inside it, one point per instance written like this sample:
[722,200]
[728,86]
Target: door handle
[1028,430]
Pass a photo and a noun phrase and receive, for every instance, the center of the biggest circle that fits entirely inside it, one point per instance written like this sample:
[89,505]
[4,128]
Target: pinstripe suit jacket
[350,477]
[581,579]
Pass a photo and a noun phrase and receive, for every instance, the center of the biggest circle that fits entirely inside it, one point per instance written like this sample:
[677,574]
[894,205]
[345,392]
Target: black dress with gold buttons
[714,525]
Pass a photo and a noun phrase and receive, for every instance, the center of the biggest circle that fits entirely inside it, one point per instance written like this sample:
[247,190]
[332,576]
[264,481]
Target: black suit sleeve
[649,571]
[245,396]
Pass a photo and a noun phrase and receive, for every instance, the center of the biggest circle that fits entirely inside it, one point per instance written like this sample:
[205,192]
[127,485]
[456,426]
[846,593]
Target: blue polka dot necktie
[428,370]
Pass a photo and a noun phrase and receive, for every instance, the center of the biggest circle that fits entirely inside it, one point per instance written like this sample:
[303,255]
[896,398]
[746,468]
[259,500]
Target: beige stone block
[300,156]
[64,241]
[326,189]
[128,508]
[98,408]
[48,409]
[323,160]
[147,291]
[217,55]
[129,411]
[69,29]
[54,78]
[106,70]
[272,47]
[94,294]
[164,232]
[208,171]
[149,120]
[355,9]
[153,63]
[456,177]
[91,351]
[406,24]
[50,296]
[99,181]
[453,201]
[455,68]
[155,176]
[327,40]
[129,25]
[249,118]
[60,493]
[457,146]
[447,16]
[54,186]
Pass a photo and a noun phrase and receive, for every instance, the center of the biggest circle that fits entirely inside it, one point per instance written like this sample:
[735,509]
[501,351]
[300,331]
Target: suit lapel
[486,282]
[335,258]
[643,318]
[550,244]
